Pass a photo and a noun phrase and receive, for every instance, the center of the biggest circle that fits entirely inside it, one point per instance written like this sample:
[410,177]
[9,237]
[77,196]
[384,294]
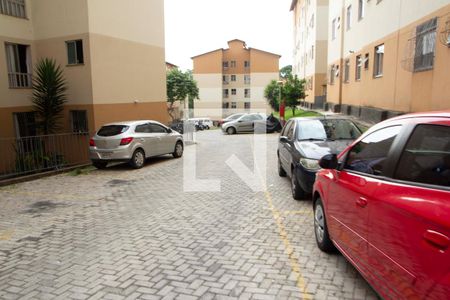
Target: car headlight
[310,164]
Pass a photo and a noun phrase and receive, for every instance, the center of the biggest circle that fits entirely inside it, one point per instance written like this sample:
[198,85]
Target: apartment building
[310,21]
[233,80]
[388,57]
[111,52]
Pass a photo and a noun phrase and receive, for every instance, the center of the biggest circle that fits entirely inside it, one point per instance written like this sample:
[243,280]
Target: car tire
[297,192]
[323,239]
[178,151]
[231,130]
[281,171]
[137,161]
[99,164]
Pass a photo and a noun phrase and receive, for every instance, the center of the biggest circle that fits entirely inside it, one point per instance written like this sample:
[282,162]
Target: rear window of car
[111,130]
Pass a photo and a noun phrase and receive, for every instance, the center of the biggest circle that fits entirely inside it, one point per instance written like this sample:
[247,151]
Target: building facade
[233,80]
[114,66]
[388,57]
[310,21]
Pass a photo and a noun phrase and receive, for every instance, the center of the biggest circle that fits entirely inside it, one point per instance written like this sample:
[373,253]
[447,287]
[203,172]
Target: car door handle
[436,239]
[361,202]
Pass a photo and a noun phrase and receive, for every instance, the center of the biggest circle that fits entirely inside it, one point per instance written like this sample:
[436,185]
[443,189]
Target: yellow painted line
[6,235]
[288,248]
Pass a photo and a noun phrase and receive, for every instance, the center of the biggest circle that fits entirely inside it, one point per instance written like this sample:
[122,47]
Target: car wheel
[138,159]
[281,171]
[99,164]
[178,152]
[297,192]
[320,228]
[231,130]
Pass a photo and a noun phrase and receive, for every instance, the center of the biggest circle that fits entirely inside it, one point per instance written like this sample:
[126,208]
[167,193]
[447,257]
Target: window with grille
[233,64]
[425,45]
[225,93]
[347,70]
[247,105]
[247,79]
[358,67]
[233,105]
[233,91]
[378,61]
[15,8]
[247,93]
[225,65]
[75,52]
[18,60]
[233,77]
[79,121]
[246,64]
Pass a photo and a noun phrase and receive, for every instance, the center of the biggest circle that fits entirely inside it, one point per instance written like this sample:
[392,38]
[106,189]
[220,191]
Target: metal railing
[34,154]
[19,80]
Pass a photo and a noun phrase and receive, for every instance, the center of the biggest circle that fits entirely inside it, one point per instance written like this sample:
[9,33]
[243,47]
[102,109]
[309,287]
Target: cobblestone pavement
[134,234]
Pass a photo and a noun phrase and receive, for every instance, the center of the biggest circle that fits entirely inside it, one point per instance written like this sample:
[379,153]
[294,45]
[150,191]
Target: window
[18,59]
[247,79]
[25,124]
[112,130]
[233,91]
[361,9]
[233,64]
[358,68]
[366,61]
[333,29]
[233,77]
[369,155]
[426,157]
[155,128]
[225,65]
[347,70]
[15,8]
[225,93]
[75,52]
[378,61]
[349,17]
[79,121]
[332,74]
[143,128]
[226,105]
[247,93]
[425,45]
[286,128]
[225,79]
[246,64]
[233,104]
[247,105]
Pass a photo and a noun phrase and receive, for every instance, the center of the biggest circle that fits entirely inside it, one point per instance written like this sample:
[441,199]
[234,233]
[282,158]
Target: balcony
[19,80]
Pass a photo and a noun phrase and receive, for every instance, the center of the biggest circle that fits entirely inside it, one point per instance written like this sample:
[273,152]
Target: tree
[49,95]
[286,71]
[180,85]
[294,89]
[272,94]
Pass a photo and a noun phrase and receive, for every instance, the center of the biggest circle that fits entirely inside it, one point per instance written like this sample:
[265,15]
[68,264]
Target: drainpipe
[341,61]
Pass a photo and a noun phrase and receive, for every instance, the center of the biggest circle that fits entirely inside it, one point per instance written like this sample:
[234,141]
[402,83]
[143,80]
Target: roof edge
[195,56]
[271,53]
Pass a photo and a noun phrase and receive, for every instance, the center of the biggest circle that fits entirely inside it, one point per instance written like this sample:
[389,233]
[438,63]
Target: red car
[384,203]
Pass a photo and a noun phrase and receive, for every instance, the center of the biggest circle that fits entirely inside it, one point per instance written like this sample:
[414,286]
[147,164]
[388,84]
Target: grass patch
[81,171]
[298,113]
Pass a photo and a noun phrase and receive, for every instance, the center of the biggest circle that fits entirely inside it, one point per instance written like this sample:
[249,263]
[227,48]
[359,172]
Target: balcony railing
[19,80]
[15,8]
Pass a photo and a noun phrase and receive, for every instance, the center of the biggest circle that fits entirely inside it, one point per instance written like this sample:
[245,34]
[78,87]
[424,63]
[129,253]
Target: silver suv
[133,141]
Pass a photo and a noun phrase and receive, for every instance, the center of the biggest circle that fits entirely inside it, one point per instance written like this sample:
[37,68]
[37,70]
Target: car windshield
[234,117]
[327,129]
[111,130]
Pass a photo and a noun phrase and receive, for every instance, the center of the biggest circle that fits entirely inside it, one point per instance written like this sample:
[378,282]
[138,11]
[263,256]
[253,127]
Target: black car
[303,141]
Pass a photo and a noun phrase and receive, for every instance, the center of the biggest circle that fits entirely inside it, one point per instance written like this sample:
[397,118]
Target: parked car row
[250,122]
[382,200]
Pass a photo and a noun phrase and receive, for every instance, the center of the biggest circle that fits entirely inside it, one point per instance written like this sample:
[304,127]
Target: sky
[194,27]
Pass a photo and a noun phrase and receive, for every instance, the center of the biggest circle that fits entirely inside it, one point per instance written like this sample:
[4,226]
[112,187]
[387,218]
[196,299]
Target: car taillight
[91,143]
[126,141]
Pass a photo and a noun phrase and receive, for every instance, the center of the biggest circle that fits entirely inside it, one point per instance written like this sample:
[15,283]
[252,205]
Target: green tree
[272,94]
[294,90]
[286,71]
[49,95]
[180,85]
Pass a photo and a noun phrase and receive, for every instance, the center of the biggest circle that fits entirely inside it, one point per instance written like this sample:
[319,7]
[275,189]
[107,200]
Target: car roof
[132,123]
[334,117]
[431,114]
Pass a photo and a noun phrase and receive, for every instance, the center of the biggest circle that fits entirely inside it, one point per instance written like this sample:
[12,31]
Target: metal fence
[34,154]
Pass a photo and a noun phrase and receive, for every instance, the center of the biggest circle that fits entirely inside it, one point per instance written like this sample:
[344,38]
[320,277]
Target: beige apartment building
[310,21]
[388,57]
[111,52]
[233,80]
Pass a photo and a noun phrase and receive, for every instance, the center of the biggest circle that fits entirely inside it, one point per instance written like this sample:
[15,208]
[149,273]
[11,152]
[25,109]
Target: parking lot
[136,234]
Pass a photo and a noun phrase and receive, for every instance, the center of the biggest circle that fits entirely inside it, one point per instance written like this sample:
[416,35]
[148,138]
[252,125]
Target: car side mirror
[283,139]
[169,130]
[329,161]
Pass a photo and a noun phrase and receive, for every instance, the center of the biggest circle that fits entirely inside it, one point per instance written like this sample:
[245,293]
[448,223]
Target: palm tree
[49,95]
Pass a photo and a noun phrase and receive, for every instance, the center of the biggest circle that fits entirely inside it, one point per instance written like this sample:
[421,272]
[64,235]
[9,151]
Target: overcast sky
[197,26]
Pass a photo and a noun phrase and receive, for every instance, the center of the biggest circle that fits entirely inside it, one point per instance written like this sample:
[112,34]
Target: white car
[207,122]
